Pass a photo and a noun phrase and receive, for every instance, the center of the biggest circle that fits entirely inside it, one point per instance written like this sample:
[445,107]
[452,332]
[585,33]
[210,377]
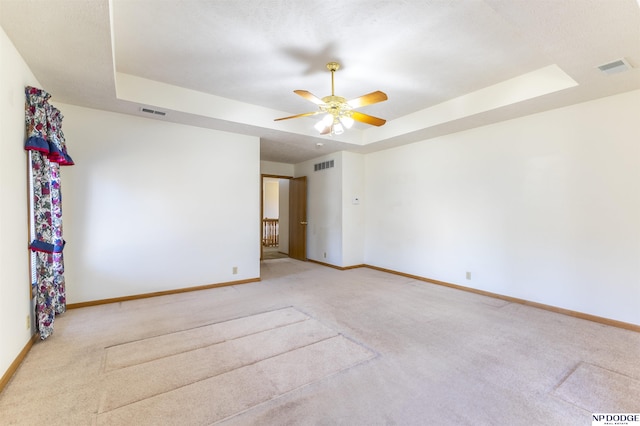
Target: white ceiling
[233,65]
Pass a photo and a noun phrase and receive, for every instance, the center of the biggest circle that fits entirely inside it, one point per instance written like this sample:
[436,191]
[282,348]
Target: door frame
[262,177]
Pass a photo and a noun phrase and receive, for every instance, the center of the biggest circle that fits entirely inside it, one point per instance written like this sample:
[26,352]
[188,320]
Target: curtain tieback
[47,247]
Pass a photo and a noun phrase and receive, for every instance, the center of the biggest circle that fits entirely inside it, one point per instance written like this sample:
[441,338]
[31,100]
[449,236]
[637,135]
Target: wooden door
[298,218]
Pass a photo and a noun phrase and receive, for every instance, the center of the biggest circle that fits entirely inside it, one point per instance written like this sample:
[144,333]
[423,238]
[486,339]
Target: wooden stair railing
[270,232]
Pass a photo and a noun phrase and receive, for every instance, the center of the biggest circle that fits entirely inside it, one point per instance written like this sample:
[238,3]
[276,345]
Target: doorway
[281,201]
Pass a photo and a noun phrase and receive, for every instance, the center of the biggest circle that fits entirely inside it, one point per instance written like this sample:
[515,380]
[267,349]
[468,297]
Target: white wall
[270,197]
[153,206]
[15,303]
[335,210]
[353,209]
[276,169]
[324,209]
[544,208]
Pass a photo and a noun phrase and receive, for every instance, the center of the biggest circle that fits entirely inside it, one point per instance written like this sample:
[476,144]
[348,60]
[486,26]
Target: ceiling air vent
[324,165]
[615,66]
[153,111]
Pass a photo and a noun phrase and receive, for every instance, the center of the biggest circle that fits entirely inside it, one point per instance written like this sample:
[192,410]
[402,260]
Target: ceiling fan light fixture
[336,128]
[346,121]
[320,126]
[324,126]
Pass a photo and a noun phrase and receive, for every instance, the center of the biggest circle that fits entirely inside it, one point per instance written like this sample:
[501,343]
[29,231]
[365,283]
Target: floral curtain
[48,152]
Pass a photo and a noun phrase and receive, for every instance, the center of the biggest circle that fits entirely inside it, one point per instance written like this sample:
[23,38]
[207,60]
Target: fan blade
[309,96]
[369,119]
[368,99]
[306,114]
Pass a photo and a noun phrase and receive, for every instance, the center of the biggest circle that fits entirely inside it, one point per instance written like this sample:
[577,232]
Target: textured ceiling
[233,65]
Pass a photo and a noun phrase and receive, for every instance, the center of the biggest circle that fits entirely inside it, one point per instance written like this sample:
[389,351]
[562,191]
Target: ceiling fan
[340,112]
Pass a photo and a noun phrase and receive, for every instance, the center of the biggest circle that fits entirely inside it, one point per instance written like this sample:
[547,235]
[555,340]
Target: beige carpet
[269,253]
[311,345]
[599,390]
[238,364]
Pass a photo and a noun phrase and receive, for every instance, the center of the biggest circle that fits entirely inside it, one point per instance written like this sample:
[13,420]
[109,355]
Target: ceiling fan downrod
[333,67]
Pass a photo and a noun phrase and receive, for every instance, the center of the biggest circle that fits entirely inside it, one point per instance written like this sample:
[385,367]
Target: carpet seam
[559,397]
[566,377]
[282,395]
[206,346]
[352,340]
[226,372]
[205,325]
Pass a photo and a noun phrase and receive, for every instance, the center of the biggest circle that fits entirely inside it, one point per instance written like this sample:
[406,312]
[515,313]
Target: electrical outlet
[325,254]
[235,270]
[468,275]
[28,322]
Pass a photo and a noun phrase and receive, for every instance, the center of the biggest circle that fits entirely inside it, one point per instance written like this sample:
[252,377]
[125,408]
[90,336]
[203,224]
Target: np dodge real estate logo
[615,419]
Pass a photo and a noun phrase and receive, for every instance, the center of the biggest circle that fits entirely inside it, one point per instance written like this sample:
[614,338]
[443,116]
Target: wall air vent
[615,66]
[324,165]
[153,111]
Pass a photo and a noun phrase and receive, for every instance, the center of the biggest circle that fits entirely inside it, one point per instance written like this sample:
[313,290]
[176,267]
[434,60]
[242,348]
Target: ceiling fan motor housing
[336,106]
